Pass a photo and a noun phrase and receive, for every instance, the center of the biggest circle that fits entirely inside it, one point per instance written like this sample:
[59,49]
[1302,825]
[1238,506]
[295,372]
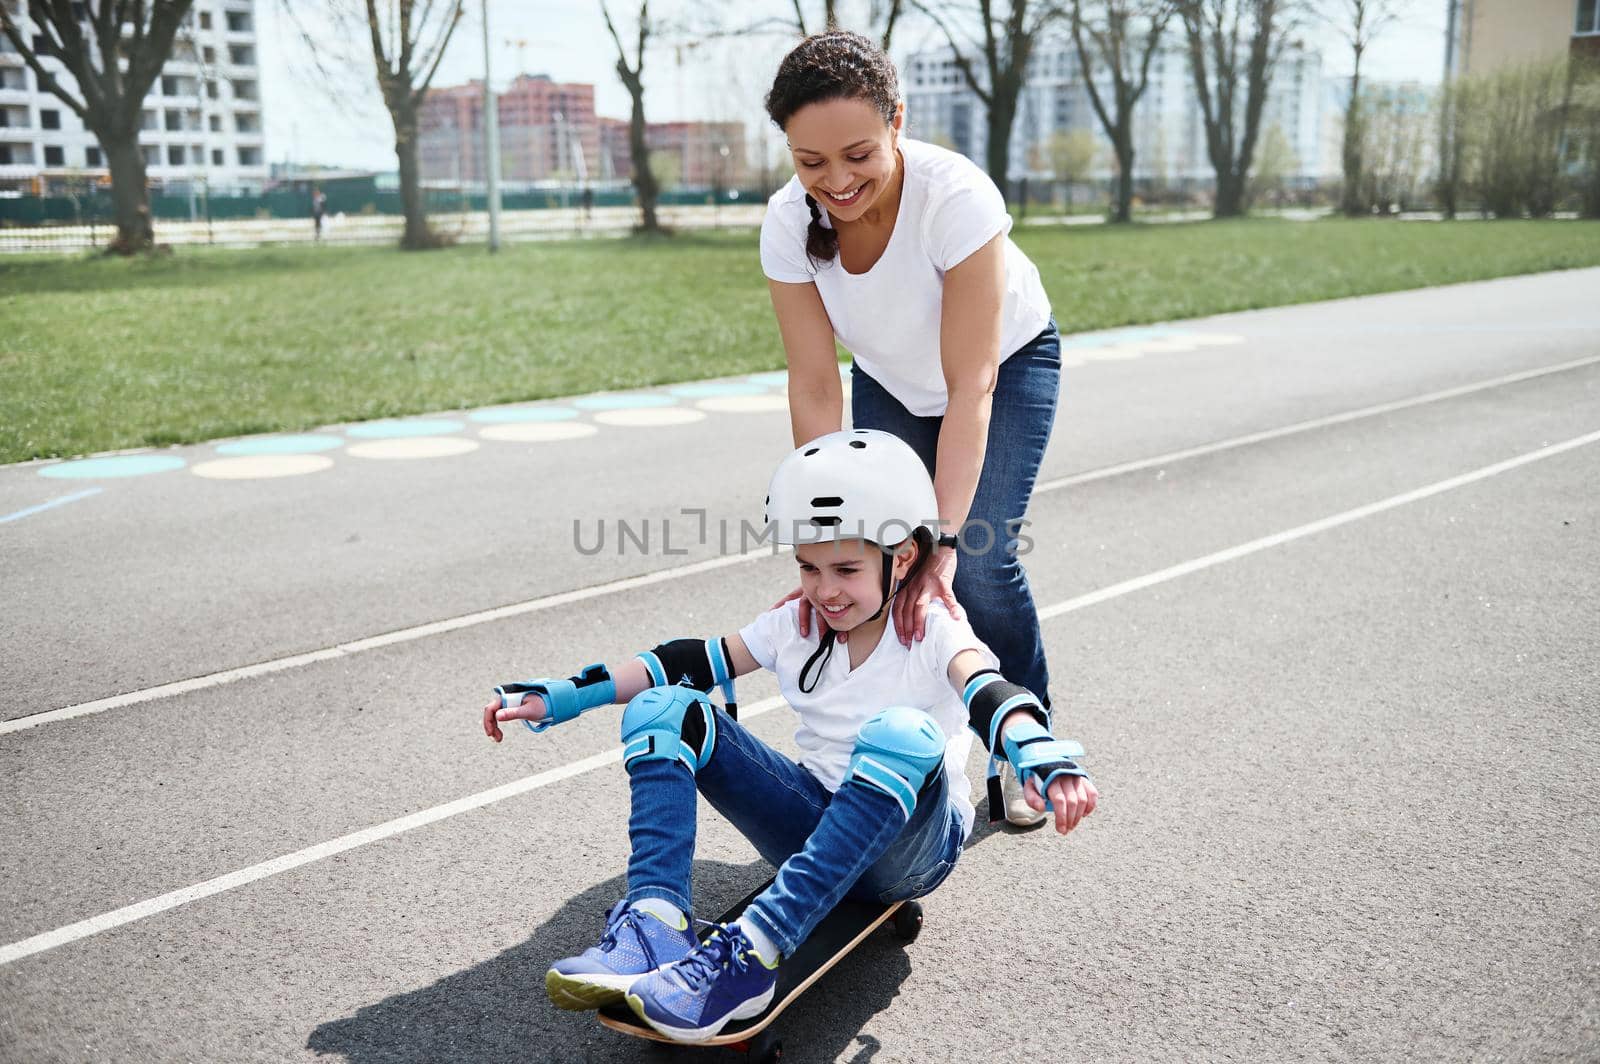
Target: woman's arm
[816,398]
[969,346]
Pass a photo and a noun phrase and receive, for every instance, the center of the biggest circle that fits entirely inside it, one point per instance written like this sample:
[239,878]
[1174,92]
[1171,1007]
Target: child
[878,807]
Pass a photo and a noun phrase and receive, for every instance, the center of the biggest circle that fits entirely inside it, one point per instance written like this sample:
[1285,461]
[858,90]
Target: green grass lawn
[97,354]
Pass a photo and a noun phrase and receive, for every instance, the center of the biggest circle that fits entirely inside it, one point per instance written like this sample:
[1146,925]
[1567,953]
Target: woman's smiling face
[844,153]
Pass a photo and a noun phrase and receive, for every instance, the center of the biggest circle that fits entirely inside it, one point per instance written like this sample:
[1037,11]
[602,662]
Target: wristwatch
[949,539]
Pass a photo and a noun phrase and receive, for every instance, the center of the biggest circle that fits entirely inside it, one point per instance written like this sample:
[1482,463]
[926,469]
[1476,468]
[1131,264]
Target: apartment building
[1483,36]
[1169,128]
[201,122]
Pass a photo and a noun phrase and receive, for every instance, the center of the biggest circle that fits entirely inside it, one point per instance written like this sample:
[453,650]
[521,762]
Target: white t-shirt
[844,698]
[889,317]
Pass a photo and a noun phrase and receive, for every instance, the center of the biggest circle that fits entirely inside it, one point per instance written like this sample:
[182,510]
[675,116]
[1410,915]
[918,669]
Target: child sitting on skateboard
[878,806]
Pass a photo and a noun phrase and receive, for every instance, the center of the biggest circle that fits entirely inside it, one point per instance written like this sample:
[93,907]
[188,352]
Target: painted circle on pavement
[263,466]
[279,445]
[623,402]
[121,465]
[511,415]
[1170,345]
[744,404]
[712,389]
[399,430]
[538,433]
[425,447]
[779,377]
[650,418]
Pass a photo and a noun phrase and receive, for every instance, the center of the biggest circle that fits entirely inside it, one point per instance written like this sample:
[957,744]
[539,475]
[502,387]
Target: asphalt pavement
[1322,599]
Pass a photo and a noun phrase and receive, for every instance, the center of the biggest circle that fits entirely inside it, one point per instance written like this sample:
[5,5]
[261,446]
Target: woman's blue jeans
[855,841]
[990,582]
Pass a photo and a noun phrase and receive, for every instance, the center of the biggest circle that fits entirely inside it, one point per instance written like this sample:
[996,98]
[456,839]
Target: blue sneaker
[635,944]
[724,979]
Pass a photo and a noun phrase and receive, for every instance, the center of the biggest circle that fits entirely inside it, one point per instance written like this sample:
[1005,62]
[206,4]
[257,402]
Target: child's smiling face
[843,579]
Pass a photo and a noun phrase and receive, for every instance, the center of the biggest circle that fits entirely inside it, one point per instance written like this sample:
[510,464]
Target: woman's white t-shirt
[844,698]
[889,317]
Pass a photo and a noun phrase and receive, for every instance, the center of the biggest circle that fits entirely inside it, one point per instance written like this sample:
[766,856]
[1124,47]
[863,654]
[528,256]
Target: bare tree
[1007,44]
[114,50]
[409,38]
[632,75]
[1234,45]
[1359,22]
[1122,36]
[881,17]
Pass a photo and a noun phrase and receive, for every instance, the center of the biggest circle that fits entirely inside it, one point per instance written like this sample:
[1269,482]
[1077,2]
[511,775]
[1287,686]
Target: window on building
[205,20]
[5,156]
[241,55]
[247,123]
[249,156]
[239,22]
[175,155]
[212,92]
[174,120]
[152,155]
[216,157]
[91,156]
[216,123]
[13,78]
[1588,18]
[54,155]
[244,90]
[169,85]
[209,54]
[49,118]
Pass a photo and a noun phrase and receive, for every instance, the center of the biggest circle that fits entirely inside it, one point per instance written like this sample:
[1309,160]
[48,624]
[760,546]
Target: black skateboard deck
[840,932]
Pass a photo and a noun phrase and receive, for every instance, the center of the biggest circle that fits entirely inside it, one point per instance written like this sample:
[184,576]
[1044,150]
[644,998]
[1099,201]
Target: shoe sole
[748,1011]
[576,994]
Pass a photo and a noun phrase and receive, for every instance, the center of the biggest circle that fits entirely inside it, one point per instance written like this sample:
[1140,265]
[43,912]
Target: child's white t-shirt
[889,317]
[893,675]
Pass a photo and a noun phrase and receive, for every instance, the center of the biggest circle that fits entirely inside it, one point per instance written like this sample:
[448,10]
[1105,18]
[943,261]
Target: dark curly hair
[837,65]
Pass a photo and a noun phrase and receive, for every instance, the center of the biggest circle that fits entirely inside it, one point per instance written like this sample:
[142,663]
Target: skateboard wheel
[907,923]
[765,1048]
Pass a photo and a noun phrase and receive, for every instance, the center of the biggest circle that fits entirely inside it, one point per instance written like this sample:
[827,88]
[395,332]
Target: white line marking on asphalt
[1306,426]
[52,504]
[138,911]
[423,631]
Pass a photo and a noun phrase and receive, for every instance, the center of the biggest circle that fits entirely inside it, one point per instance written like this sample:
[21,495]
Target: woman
[899,250]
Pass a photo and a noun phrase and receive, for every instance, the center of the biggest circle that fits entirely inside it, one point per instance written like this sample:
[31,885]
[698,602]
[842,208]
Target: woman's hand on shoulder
[806,615]
[935,581]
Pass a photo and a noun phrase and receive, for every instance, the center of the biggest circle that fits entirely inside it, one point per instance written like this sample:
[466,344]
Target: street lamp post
[491,131]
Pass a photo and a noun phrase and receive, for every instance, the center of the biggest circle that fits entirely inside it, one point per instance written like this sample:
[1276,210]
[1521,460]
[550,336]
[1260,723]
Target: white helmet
[859,484]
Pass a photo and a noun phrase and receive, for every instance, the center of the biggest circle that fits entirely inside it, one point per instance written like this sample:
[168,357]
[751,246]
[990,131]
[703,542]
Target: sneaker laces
[629,917]
[722,948]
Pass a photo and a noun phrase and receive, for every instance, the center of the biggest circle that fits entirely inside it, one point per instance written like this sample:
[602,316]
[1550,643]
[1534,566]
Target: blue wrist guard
[563,699]
[1034,752]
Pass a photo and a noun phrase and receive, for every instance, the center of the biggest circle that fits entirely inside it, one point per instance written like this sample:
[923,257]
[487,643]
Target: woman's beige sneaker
[1018,811]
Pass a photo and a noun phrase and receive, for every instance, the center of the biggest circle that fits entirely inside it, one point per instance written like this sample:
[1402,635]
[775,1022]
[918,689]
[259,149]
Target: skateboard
[840,932]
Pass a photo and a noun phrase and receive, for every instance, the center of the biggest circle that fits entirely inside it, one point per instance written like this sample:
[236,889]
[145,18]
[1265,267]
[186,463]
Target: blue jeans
[855,841]
[990,582]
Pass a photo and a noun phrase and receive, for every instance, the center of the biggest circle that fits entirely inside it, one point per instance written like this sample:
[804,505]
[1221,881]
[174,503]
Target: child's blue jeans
[856,841]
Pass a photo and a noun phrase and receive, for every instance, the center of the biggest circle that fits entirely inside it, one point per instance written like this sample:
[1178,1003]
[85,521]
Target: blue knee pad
[669,724]
[896,751]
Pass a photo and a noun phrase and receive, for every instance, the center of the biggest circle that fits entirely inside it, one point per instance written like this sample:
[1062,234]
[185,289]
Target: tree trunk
[1352,201]
[1124,207]
[998,152]
[644,178]
[1230,195]
[417,236]
[130,199]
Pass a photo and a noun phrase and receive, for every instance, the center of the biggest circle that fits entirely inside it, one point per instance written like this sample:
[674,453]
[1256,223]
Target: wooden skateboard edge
[639,1029]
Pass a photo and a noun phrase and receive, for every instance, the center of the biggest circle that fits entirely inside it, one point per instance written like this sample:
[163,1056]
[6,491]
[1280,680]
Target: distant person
[898,250]
[586,200]
[319,208]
